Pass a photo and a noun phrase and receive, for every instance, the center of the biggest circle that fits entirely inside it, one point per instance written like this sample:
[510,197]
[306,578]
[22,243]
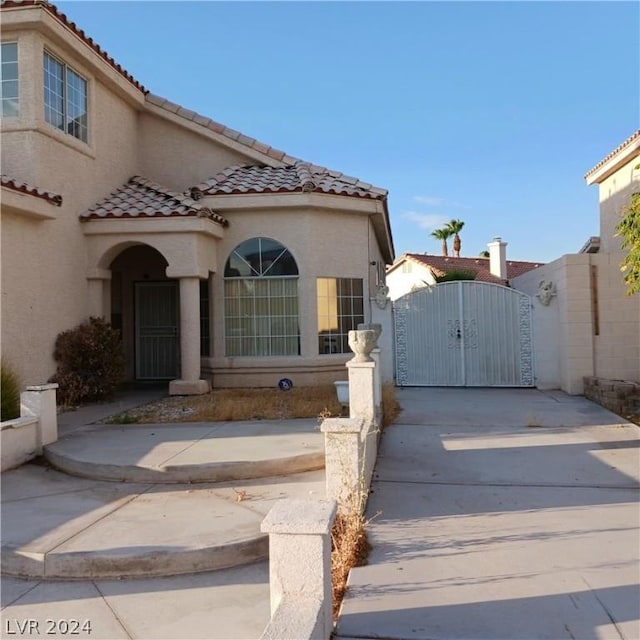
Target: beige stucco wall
[590,327]
[324,244]
[617,347]
[563,331]
[44,261]
[614,193]
[546,322]
[178,158]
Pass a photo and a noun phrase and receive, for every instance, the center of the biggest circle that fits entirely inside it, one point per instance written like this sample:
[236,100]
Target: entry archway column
[189,383]
[99,293]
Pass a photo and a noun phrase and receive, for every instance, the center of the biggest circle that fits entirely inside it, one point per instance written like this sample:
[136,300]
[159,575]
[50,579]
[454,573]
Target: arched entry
[144,306]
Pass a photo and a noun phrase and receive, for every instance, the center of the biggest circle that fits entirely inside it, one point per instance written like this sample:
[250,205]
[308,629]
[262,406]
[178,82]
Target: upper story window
[261,300]
[9,86]
[65,98]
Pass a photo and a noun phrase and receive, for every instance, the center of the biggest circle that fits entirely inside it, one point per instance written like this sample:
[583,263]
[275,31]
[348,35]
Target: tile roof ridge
[210,183]
[25,187]
[305,177]
[182,198]
[73,27]
[179,199]
[634,136]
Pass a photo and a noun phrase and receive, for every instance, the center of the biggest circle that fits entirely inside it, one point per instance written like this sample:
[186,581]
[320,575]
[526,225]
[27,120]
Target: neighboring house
[412,271]
[586,324]
[220,258]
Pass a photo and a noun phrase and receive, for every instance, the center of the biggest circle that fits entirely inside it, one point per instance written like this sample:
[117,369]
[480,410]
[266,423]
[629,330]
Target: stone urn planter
[342,391]
[373,326]
[362,343]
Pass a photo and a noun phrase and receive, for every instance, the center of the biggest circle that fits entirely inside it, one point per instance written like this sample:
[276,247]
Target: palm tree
[443,234]
[455,227]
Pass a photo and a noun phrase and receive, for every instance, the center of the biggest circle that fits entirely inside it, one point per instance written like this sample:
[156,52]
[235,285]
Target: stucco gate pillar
[189,383]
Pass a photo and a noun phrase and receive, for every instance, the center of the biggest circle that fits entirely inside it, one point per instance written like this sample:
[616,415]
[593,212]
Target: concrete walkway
[501,514]
[144,555]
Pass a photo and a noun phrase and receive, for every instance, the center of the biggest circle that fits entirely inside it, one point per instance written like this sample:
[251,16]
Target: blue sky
[490,112]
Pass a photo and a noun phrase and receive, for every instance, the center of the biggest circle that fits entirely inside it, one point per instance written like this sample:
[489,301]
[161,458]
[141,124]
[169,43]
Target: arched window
[261,300]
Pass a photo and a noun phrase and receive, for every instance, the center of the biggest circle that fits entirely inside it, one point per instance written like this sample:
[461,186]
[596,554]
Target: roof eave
[629,149]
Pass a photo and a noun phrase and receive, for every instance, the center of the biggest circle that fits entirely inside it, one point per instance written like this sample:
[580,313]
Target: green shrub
[457,274]
[10,393]
[90,361]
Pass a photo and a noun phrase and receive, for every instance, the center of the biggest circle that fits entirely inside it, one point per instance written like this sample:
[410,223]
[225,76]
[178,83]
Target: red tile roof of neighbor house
[632,138]
[298,177]
[23,187]
[142,198]
[440,265]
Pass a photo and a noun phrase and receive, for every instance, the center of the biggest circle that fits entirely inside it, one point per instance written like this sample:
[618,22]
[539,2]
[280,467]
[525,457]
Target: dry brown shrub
[349,548]
[228,405]
[390,406]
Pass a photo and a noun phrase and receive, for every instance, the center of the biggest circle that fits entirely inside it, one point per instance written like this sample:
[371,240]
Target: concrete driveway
[501,514]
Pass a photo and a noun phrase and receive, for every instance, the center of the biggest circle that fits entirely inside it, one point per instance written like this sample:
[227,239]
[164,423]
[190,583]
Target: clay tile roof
[23,187]
[632,138]
[142,198]
[62,18]
[440,265]
[298,177]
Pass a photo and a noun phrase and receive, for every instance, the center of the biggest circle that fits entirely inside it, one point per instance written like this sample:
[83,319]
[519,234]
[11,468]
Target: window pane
[9,52]
[9,88]
[340,309]
[65,98]
[76,105]
[10,71]
[261,317]
[10,108]
[260,257]
[53,91]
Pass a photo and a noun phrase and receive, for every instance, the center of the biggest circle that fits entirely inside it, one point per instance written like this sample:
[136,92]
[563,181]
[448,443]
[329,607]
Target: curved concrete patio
[190,452]
[151,557]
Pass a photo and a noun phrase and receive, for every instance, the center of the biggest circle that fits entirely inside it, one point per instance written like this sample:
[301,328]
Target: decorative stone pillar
[99,294]
[189,383]
[361,377]
[300,556]
[40,401]
[377,375]
[343,460]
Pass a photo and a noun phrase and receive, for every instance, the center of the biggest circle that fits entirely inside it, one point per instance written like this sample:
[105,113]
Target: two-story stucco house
[220,258]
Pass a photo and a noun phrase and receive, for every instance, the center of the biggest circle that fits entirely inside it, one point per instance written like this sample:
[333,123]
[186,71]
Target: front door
[156,329]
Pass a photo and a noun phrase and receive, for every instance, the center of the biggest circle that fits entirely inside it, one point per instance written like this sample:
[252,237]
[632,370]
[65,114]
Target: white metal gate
[464,333]
[156,326]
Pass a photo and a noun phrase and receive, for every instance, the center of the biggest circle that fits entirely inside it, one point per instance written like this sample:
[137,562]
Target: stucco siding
[324,244]
[44,263]
[178,158]
[617,347]
[546,323]
[614,193]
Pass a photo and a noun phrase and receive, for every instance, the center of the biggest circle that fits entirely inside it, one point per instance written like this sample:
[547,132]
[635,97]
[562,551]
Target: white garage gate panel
[464,333]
